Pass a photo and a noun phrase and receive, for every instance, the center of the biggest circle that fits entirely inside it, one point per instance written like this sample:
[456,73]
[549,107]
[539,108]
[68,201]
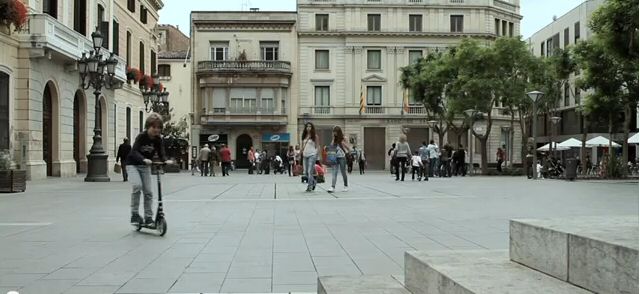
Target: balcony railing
[249,66]
[244,110]
[417,109]
[374,109]
[414,110]
[44,31]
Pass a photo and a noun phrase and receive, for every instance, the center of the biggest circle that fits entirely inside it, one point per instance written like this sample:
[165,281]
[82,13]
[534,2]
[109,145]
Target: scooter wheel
[162,226]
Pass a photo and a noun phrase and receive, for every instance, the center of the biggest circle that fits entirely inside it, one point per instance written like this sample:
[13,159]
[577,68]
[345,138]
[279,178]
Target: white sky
[536,13]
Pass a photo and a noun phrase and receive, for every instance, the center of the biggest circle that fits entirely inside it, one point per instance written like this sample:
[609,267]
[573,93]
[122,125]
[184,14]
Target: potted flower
[131,74]
[11,180]
[13,12]
[146,82]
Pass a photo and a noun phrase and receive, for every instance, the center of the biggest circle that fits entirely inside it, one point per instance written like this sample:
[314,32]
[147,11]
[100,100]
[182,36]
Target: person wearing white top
[341,159]
[309,154]
[416,166]
[434,156]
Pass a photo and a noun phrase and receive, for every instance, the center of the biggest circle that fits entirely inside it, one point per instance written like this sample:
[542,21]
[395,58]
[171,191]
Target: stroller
[277,165]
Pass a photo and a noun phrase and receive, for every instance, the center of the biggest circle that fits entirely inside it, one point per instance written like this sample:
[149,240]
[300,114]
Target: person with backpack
[402,154]
[337,159]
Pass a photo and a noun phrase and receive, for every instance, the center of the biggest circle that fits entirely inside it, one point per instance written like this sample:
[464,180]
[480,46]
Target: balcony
[248,66]
[244,115]
[371,110]
[46,32]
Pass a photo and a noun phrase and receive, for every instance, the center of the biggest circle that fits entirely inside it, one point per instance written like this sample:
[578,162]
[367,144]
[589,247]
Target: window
[80,16]
[269,50]
[164,70]
[414,56]
[576,96]
[142,57]
[143,14]
[576,29]
[497,25]
[549,47]
[566,37]
[4,111]
[128,131]
[542,49]
[567,94]
[374,95]
[412,98]
[373,59]
[322,59]
[154,69]
[373,22]
[50,7]
[116,38]
[504,27]
[131,5]
[219,50]
[415,23]
[267,105]
[103,27]
[511,29]
[457,23]
[322,22]
[322,96]
[128,49]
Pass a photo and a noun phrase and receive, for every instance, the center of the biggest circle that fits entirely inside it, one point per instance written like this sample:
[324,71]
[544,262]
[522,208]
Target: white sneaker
[330,190]
[346,189]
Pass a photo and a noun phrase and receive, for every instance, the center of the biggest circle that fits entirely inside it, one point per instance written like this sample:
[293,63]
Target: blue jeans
[342,162]
[140,178]
[309,164]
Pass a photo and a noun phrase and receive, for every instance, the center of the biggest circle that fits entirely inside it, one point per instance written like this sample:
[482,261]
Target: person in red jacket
[225,155]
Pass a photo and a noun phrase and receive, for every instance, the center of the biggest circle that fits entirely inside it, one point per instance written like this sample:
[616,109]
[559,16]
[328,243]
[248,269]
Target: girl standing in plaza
[309,154]
[341,149]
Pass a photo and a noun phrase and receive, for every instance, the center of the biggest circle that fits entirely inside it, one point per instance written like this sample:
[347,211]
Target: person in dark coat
[123,151]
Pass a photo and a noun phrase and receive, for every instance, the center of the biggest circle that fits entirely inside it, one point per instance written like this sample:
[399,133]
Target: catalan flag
[405,102]
[363,104]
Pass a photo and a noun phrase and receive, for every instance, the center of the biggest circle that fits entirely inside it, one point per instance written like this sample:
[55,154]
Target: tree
[615,25]
[176,135]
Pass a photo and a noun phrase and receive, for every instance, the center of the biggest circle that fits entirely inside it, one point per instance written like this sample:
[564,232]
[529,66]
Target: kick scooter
[160,224]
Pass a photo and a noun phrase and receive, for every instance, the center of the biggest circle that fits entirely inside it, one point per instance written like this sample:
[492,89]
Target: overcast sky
[536,13]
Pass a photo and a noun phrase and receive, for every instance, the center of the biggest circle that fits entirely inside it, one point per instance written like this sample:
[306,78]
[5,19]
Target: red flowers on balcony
[134,74]
[13,12]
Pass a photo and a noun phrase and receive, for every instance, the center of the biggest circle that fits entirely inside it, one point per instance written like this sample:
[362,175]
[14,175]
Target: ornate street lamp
[535,96]
[155,98]
[554,120]
[92,74]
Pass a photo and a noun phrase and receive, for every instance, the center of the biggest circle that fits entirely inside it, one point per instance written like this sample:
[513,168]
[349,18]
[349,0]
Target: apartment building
[353,49]
[48,124]
[244,80]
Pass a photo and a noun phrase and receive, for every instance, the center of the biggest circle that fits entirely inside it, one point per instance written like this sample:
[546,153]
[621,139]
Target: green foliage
[616,24]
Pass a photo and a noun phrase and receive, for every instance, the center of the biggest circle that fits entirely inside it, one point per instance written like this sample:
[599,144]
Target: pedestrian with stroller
[123,152]
[148,144]
[205,152]
[340,150]
[309,154]
[403,155]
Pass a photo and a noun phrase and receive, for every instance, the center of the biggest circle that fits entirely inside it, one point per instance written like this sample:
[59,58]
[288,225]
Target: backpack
[424,153]
[332,155]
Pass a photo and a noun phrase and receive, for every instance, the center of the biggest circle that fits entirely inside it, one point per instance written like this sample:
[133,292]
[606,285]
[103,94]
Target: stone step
[360,285]
[477,272]
[597,253]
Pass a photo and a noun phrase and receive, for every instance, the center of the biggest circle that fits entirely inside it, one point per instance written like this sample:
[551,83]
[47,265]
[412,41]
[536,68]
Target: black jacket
[123,152]
[146,147]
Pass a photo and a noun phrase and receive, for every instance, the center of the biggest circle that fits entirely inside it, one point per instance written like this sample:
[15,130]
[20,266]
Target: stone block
[597,253]
[477,272]
[360,285]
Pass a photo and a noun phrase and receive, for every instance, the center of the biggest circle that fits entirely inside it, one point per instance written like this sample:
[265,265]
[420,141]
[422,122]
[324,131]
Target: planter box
[12,181]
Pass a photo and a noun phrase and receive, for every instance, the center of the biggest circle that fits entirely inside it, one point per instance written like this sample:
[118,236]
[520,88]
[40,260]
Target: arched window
[50,7]
[142,57]
[128,49]
[4,111]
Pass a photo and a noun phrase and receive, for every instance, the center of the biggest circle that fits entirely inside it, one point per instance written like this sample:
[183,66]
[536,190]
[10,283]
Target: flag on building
[363,104]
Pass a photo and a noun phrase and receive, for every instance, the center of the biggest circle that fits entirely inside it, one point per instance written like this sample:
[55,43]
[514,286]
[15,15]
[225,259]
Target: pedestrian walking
[392,159]
[403,154]
[360,158]
[309,154]
[423,151]
[291,160]
[434,162]
[447,154]
[459,161]
[214,161]
[225,156]
[416,166]
[205,152]
[123,151]
[500,154]
[147,145]
[351,157]
[251,157]
[337,153]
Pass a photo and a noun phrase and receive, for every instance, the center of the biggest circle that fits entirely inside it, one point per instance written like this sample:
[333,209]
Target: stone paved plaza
[257,234]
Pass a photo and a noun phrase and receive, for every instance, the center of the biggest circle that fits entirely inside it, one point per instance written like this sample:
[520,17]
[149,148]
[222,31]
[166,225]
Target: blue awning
[277,137]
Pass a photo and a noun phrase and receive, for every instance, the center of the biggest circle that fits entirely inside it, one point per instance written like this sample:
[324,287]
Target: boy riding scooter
[147,145]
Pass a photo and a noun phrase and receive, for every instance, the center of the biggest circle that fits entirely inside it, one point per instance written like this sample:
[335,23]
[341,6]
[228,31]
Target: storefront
[276,143]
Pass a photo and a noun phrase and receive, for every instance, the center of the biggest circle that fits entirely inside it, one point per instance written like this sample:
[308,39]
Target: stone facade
[52,118]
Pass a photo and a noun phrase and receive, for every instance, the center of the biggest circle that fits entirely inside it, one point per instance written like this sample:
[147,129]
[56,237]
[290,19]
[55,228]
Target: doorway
[79,129]
[243,143]
[416,136]
[47,128]
[374,148]
[4,111]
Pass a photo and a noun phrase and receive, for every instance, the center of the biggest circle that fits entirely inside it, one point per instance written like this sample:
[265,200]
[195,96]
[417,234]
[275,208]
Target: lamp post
[156,99]
[471,114]
[92,74]
[554,120]
[535,96]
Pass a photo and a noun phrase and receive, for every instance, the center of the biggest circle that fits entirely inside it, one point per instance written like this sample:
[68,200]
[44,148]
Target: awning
[601,142]
[635,139]
[277,137]
[571,143]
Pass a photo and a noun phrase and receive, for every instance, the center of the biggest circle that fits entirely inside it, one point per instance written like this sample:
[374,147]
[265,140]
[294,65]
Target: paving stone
[360,285]
[198,283]
[246,286]
[147,286]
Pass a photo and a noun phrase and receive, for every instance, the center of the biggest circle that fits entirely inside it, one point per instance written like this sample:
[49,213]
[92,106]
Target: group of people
[261,163]
[427,161]
[210,158]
